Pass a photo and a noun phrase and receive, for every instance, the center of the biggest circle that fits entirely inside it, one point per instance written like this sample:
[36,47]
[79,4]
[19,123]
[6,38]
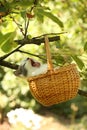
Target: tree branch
[82,93]
[8,65]
[7,55]
[32,54]
[29,41]
[36,40]
[18,25]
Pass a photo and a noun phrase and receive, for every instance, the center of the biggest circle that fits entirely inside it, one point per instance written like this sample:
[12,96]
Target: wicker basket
[57,85]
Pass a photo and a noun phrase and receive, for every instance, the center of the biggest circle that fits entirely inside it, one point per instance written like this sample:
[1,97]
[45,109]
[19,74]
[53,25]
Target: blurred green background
[47,17]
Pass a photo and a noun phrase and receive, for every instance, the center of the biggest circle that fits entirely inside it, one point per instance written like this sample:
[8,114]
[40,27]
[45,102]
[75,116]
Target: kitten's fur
[29,67]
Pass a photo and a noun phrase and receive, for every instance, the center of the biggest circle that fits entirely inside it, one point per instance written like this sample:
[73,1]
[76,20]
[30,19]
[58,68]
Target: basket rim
[54,71]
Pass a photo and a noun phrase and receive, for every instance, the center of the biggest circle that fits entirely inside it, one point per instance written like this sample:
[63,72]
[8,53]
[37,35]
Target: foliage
[27,19]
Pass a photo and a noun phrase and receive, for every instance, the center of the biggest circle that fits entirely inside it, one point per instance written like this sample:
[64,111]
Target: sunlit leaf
[78,61]
[7,47]
[6,42]
[85,47]
[51,16]
[40,17]
[26,3]
[23,14]
[1,38]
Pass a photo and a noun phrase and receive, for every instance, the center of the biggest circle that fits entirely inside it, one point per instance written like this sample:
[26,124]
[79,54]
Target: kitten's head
[25,66]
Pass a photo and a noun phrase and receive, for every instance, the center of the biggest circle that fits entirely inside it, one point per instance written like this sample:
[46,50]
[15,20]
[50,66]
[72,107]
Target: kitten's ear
[35,63]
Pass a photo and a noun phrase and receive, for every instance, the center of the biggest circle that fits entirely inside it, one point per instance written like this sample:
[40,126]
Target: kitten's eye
[27,58]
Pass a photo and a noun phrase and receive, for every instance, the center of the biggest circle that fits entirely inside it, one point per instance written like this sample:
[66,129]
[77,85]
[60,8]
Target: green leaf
[50,15]
[85,47]
[40,18]
[6,42]
[26,3]
[23,14]
[78,61]
[1,38]
[7,47]
[60,59]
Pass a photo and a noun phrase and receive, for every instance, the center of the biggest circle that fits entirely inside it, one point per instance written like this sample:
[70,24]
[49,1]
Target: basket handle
[48,54]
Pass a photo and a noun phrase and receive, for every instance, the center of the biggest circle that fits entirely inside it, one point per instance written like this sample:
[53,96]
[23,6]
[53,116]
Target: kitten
[30,67]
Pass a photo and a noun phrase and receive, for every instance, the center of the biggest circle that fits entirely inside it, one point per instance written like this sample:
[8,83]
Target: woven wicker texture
[57,85]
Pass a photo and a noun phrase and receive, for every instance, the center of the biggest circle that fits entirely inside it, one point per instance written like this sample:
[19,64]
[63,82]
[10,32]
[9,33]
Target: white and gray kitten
[30,67]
